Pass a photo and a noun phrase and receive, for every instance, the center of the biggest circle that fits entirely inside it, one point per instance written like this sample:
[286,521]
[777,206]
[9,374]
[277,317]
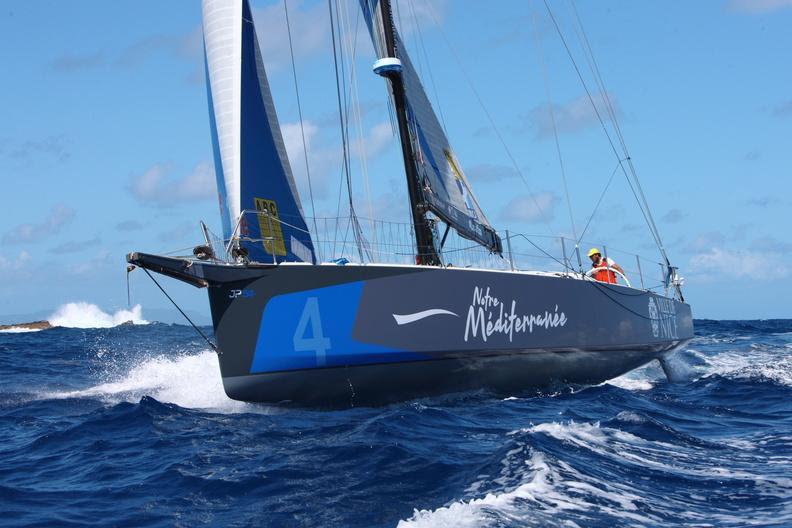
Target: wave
[577,473]
[19,330]
[190,381]
[87,315]
[544,496]
[750,363]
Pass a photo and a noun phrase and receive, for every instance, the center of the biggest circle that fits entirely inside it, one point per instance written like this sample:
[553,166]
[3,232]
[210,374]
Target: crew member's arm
[616,267]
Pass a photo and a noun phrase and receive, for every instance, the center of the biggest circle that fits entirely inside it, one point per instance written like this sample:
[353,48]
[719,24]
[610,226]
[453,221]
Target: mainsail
[445,189]
[253,172]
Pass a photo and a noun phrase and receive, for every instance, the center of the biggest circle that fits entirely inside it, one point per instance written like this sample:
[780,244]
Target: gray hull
[341,335]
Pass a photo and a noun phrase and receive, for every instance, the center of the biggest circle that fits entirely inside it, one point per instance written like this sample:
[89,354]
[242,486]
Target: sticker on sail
[460,181]
[269,226]
[300,250]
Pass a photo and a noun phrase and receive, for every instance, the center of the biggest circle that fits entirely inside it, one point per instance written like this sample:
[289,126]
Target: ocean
[128,425]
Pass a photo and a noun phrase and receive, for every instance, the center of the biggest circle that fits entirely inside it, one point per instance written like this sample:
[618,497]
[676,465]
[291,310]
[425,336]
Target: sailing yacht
[291,326]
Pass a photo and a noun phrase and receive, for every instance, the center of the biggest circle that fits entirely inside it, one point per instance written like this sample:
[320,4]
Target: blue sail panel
[255,183]
[446,189]
[267,183]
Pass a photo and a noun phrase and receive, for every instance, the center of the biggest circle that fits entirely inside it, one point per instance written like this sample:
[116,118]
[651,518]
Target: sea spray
[86,315]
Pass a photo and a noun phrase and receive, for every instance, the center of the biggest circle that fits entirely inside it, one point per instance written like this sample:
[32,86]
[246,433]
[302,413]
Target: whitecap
[545,492]
[18,330]
[539,490]
[630,383]
[87,315]
[190,381]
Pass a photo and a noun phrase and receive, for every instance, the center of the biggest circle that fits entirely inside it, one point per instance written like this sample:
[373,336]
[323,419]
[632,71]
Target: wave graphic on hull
[417,316]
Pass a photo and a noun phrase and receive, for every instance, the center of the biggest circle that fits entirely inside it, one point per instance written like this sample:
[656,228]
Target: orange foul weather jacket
[603,274]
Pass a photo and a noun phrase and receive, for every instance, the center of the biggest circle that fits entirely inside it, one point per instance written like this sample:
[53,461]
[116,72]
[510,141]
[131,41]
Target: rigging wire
[354,103]
[302,128]
[214,347]
[420,40]
[343,122]
[551,113]
[596,207]
[642,203]
[349,97]
[516,167]
[594,67]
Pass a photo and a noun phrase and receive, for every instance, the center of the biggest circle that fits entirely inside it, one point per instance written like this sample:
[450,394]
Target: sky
[105,144]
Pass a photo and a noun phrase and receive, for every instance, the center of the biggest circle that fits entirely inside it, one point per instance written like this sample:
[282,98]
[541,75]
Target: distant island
[35,325]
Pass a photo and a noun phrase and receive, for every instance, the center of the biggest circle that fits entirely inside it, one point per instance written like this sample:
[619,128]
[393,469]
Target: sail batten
[255,183]
[445,188]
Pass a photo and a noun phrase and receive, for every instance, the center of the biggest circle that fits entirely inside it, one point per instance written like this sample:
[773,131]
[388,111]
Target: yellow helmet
[593,251]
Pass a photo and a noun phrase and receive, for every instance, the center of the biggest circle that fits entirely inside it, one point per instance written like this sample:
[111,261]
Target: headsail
[253,171]
[446,190]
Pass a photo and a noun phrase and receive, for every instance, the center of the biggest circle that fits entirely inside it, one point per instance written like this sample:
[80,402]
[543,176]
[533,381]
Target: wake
[189,381]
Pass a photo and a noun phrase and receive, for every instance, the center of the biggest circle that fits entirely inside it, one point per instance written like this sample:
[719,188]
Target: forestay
[446,190]
[253,171]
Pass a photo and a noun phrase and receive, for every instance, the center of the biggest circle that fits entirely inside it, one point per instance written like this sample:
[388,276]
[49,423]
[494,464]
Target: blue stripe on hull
[313,328]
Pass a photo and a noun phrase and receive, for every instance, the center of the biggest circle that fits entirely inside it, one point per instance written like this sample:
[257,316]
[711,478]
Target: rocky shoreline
[35,325]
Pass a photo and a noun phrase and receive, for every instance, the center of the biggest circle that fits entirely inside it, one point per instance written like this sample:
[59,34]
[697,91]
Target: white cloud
[129,225]
[571,116]
[56,147]
[423,14]
[674,216]
[310,30]
[325,160]
[70,62]
[705,242]
[15,263]
[310,27]
[155,186]
[320,160]
[758,6]
[75,246]
[293,139]
[718,263]
[371,146]
[187,46]
[530,208]
[783,109]
[59,216]
[771,245]
[486,172]
[179,232]
[92,265]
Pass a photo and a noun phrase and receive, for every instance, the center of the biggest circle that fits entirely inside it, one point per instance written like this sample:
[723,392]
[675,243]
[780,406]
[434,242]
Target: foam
[19,330]
[86,315]
[751,363]
[630,383]
[191,381]
[545,493]
[550,491]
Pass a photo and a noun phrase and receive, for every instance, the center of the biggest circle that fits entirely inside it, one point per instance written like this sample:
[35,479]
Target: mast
[391,68]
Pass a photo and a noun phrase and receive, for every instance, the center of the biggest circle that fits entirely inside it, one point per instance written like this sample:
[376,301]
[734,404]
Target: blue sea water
[129,426]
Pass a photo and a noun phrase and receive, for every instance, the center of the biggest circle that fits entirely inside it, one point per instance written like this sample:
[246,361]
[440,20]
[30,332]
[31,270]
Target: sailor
[603,267]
